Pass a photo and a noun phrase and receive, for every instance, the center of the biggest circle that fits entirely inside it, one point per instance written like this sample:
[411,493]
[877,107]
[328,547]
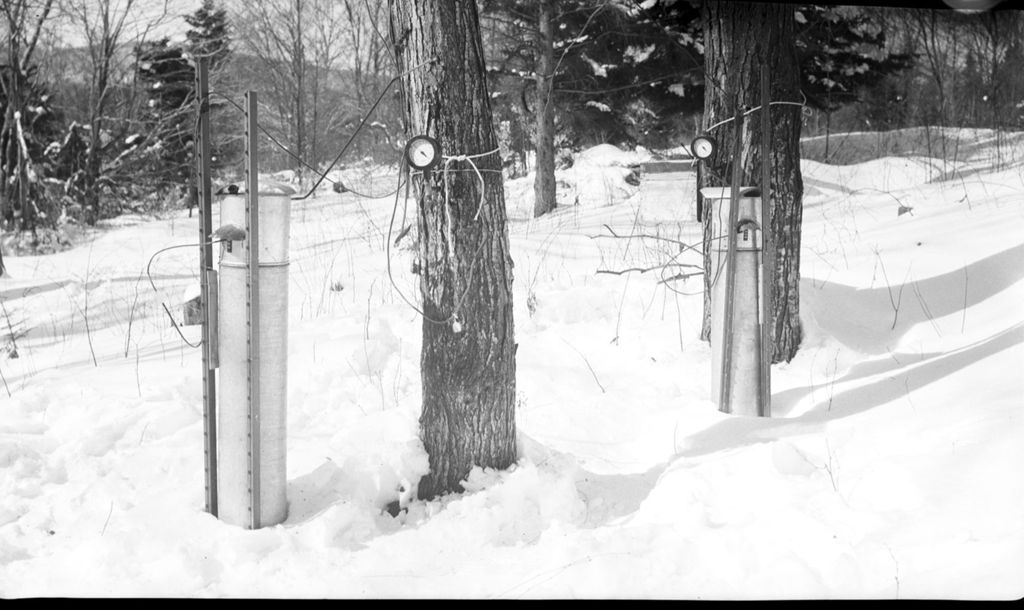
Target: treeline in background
[98,96]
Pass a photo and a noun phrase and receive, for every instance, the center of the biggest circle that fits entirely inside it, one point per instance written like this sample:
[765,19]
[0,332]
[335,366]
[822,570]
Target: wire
[447,162]
[323,176]
[163,304]
[453,317]
[348,143]
[369,113]
[347,189]
[756,108]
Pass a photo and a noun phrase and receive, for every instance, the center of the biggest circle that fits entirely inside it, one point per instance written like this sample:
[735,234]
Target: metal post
[203,188]
[767,260]
[730,269]
[252,303]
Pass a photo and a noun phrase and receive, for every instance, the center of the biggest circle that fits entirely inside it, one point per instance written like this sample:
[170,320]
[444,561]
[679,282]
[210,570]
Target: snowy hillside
[892,467]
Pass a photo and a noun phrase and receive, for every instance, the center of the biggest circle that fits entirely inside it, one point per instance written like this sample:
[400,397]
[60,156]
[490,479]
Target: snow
[891,466]
[639,54]
[597,178]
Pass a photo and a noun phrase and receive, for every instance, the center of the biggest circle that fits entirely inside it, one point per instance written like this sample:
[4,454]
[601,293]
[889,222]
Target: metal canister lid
[725,192]
[266,187]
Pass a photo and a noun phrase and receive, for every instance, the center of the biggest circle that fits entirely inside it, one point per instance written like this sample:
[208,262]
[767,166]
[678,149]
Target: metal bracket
[207,292]
[252,304]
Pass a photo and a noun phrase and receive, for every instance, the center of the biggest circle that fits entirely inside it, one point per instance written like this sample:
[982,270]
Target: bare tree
[468,353]
[273,33]
[110,30]
[544,182]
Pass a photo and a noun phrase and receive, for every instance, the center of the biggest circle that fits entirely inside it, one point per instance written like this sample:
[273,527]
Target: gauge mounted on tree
[422,152]
[703,147]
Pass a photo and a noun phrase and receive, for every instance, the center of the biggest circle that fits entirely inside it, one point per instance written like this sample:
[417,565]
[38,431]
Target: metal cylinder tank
[233,426]
[746,351]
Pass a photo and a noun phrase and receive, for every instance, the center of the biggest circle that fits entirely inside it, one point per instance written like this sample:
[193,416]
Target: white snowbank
[890,467]
[597,178]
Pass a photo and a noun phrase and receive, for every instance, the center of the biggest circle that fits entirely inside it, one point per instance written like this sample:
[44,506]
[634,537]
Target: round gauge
[422,152]
[702,146]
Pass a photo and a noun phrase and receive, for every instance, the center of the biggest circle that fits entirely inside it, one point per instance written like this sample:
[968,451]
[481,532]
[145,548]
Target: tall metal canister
[235,464]
[745,353]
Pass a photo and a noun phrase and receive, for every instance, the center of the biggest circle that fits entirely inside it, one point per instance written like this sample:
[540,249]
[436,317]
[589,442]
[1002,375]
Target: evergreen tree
[208,34]
[620,75]
[841,51]
[168,83]
[26,117]
[28,124]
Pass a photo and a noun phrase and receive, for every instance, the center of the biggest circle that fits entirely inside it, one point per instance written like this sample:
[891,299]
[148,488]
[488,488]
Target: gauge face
[703,146]
[422,152]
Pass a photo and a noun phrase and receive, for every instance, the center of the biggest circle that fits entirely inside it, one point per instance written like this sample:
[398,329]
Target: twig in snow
[896,576]
[618,318]
[10,329]
[926,310]
[828,467]
[587,362]
[110,512]
[963,318]
[832,381]
[613,235]
[894,301]
[9,395]
[85,314]
[138,382]
[906,386]
[654,268]
[131,317]
[680,276]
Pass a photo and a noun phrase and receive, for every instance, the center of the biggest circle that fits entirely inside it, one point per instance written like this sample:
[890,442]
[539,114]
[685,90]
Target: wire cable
[156,290]
[323,175]
[453,317]
[756,108]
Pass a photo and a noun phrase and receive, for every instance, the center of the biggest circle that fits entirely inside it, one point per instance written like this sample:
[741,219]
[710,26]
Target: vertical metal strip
[767,260]
[725,393]
[203,192]
[252,305]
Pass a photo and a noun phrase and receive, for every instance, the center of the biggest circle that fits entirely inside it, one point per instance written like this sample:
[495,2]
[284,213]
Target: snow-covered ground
[892,466]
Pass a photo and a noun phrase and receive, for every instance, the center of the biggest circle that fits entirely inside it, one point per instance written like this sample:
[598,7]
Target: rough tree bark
[468,355]
[544,181]
[737,35]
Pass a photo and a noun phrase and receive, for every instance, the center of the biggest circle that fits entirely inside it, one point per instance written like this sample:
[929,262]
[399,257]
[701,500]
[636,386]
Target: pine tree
[168,83]
[588,72]
[841,51]
[28,124]
[620,75]
[27,118]
[208,35]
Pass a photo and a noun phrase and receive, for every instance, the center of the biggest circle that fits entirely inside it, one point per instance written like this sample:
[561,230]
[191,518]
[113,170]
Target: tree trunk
[544,181]
[468,356]
[737,35]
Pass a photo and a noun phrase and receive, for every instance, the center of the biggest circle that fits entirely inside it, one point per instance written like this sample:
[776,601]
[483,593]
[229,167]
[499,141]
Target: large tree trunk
[737,35]
[468,355]
[544,180]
